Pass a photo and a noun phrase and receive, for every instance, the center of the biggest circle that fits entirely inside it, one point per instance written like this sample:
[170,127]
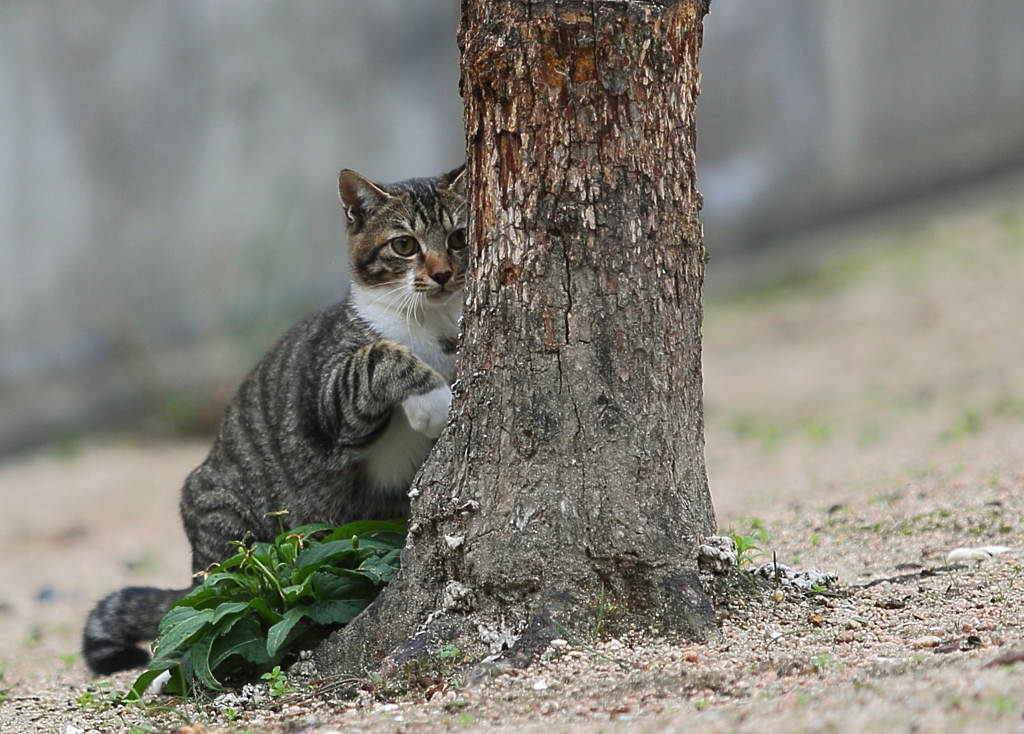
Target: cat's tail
[119,622]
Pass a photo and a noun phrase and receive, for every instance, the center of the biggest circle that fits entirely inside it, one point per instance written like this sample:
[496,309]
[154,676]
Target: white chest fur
[394,458]
[417,324]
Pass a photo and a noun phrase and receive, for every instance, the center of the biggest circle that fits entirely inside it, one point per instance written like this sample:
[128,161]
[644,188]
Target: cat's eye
[457,239]
[405,246]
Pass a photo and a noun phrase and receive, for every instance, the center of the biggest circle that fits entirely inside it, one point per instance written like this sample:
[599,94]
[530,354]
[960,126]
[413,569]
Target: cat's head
[407,241]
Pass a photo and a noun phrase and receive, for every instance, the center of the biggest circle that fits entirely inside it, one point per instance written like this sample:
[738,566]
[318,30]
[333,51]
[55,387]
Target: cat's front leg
[378,378]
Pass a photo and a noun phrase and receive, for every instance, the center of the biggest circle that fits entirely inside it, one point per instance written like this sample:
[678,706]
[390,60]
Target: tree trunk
[570,484]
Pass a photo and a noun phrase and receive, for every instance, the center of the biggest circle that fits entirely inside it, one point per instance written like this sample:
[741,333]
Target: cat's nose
[441,276]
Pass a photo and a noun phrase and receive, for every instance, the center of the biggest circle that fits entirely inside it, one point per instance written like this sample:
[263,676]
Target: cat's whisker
[413,302]
[386,294]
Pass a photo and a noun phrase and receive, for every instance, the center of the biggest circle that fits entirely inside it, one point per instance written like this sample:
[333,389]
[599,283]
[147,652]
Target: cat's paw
[427,413]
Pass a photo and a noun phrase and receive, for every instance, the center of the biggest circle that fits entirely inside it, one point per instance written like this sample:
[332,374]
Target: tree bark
[570,483]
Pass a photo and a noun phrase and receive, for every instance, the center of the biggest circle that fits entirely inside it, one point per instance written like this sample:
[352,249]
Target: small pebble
[926,641]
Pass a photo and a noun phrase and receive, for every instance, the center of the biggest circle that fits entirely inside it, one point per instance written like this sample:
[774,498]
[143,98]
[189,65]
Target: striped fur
[335,420]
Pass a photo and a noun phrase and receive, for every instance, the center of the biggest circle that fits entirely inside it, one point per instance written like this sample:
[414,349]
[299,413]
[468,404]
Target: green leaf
[376,569]
[339,583]
[140,686]
[310,530]
[366,527]
[233,610]
[177,685]
[322,552]
[295,592]
[180,632]
[176,615]
[201,663]
[381,542]
[269,615]
[340,611]
[278,635]
[246,640]
[186,671]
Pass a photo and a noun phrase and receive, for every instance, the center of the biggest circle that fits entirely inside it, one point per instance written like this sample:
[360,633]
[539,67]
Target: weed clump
[270,600]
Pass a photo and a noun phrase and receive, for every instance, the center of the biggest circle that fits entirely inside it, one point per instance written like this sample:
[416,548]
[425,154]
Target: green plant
[276,681]
[823,662]
[1002,704]
[449,652]
[270,599]
[98,697]
[600,613]
[746,550]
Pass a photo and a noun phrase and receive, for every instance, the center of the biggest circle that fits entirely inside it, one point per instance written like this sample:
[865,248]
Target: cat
[334,422]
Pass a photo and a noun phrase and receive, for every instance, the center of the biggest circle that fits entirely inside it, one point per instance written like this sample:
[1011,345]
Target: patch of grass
[758,429]
[886,498]
[824,661]
[1002,704]
[67,445]
[824,280]
[818,430]
[1012,224]
[869,435]
[974,419]
[99,697]
[966,424]
[1009,406]
[270,599]
[190,414]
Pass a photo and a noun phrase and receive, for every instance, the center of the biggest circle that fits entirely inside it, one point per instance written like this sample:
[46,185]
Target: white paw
[428,413]
[159,684]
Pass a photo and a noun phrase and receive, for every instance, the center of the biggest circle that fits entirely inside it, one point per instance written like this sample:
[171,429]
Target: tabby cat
[335,420]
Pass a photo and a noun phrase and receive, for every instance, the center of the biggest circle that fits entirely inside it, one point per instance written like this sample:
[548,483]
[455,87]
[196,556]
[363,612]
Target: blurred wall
[167,184]
[813,108]
[167,169]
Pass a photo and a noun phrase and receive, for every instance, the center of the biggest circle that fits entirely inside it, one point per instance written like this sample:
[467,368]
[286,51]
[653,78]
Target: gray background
[167,169]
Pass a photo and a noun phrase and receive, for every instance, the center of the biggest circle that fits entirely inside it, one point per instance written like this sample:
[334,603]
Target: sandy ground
[865,415]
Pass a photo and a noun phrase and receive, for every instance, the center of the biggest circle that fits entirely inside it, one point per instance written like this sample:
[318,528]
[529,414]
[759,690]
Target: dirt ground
[865,416]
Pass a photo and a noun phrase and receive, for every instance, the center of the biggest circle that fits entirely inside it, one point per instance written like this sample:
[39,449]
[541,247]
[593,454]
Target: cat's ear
[359,197]
[455,180]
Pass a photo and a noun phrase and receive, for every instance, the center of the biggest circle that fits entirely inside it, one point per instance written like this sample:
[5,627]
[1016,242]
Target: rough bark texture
[572,473]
